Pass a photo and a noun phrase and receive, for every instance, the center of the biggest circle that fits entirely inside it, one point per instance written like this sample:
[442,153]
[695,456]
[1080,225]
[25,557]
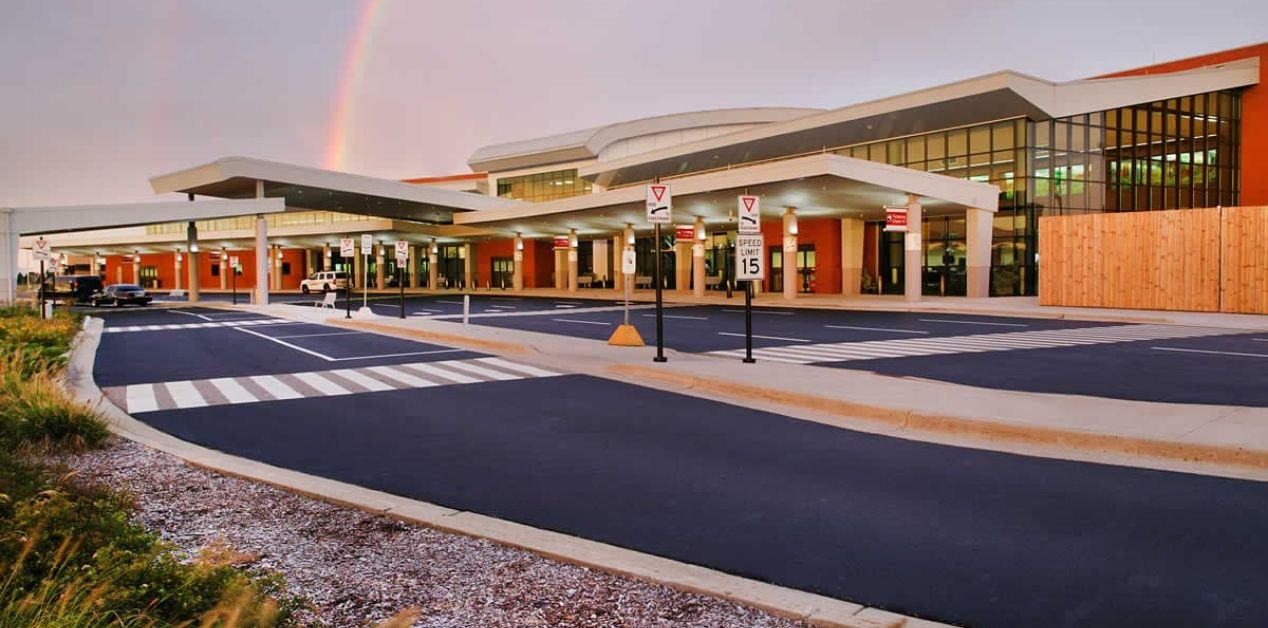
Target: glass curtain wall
[543,186]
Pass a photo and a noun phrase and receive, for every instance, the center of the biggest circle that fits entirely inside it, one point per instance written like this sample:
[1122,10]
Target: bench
[585,282]
[643,281]
[176,294]
[712,282]
[327,301]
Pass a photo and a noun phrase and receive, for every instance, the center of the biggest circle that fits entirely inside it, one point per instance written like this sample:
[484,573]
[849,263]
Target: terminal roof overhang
[315,189]
[998,96]
[824,185]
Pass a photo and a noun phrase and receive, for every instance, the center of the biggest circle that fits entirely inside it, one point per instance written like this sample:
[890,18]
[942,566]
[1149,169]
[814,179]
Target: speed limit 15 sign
[749,263]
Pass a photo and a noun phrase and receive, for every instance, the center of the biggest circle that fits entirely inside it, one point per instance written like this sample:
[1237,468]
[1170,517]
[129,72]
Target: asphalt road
[958,535]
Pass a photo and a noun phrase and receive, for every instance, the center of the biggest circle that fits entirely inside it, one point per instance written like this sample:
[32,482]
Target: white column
[224,269]
[136,269]
[193,276]
[261,252]
[517,256]
[326,259]
[572,260]
[979,233]
[413,266]
[358,263]
[697,259]
[433,272]
[618,246]
[913,251]
[8,257]
[176,261]
[790,254]
[851,255]
[380,270]
[469,266]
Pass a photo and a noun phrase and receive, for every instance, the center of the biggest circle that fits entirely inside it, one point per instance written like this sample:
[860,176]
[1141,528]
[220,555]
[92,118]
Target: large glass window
[543,186]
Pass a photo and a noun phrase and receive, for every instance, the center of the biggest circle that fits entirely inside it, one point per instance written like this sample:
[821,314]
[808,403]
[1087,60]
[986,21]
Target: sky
[97,96]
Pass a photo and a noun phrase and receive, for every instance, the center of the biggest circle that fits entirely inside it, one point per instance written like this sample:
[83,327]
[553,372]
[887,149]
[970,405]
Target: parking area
[960,535]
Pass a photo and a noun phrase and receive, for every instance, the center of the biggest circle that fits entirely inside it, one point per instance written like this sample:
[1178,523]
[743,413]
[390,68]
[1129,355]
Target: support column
[310,263]
[326,258]
[191,233]
[469,267]
[517,255]
[358,261]
[136,268]
[433,273]
[379,271]
[176,261]
[8,258]
[913,251]
[261,252]
[561,269]
[979,232]
[851,256]
[572,260]
[225,269]
[682,265]
[697,259]
[118,272]
[413,267]
[275,259]
[618,277]
[790,254]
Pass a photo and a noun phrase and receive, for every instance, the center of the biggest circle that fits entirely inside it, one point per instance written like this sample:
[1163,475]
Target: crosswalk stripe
[356,377]
[432,369]
[401,376]
[322,384]
[141,398]
[174,326]
[480,370]
[185,395]
[531,371]
[232,390]
[275,387]
[977,343]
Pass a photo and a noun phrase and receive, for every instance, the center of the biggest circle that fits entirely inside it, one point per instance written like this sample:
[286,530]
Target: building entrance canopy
[825,185]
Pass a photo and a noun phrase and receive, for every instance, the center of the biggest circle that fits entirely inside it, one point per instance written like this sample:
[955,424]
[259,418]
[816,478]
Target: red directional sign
[895,218]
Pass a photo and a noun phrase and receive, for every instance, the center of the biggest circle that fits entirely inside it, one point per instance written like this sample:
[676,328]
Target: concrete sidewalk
[1224,440]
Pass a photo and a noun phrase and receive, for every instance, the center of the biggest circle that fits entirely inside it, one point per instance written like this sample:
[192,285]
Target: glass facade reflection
[543,186]
[1177,153]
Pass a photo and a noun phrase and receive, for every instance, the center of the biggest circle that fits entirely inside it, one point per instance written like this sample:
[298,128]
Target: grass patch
[69,554]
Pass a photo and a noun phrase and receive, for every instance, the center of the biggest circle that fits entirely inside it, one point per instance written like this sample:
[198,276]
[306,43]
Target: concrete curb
[431,336]
[811,608]
[961,426]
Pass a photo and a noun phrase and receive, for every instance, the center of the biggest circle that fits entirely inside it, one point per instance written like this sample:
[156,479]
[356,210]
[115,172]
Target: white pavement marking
[333,333]
[206,318]
[185,395]
[564,307]
[141,398]
[287,344]
[761,312]
[322,384]
[231,389]
[896,331]
[396,355]
[1244,355]
[979,343]
[168,327]
[731,333]
[275,387]
[943,320]
[453,302]
[400,376]
[682,316]
[570,320]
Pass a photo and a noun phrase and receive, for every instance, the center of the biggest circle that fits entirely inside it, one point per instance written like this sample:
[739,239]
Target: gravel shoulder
[359,569]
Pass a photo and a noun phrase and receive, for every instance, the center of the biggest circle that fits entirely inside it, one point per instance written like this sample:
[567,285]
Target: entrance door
[503,272]
[424,265]
[776,270]
[806,268]
[452,271]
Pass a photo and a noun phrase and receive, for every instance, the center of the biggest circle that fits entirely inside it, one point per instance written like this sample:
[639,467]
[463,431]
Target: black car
[71,288]
[121,294]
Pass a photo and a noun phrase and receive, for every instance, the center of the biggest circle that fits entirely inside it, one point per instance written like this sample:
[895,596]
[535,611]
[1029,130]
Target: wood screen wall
[1203,260]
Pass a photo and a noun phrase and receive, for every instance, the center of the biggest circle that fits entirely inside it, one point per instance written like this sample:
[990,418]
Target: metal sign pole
[628,280]
[365,279]
[660,321]
[748,322]
[400,281]
[41,289]
[233,282]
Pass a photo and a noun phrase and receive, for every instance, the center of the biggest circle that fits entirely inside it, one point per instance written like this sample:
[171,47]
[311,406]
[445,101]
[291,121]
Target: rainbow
[337,137]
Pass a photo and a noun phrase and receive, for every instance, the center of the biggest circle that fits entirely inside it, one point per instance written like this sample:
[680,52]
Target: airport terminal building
[975,163]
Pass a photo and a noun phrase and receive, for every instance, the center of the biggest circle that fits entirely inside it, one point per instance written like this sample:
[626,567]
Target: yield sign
[749,211]
[659,204]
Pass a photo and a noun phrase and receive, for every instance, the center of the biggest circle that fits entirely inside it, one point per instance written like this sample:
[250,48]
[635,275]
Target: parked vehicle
[120,294]
[324,281]
[71,288]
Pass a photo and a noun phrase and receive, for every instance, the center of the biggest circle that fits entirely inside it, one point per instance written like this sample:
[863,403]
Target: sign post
[659,212]
[347,250]
[367,243]
[42,252]
[626,335]
[749,263]
[402,258]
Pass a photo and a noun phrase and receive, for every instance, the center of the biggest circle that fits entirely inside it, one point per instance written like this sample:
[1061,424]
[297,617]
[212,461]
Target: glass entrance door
[806,268]
[775,269]
[503,272]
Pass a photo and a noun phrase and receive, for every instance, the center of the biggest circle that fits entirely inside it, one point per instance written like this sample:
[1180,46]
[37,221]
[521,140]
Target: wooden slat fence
[1202,260]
